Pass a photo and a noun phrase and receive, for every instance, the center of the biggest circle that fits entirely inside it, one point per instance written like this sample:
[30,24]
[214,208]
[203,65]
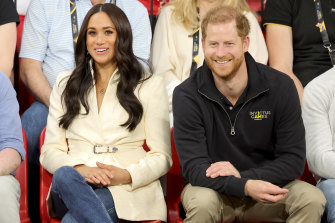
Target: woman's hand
[95,175]
[117,176]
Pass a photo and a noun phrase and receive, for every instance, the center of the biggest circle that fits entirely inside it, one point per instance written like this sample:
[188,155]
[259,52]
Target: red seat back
[22,177]
[174,186]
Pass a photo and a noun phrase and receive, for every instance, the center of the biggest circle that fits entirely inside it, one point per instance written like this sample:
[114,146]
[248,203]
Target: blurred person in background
[12,152]
[318,113]
[8,21]
[294,40]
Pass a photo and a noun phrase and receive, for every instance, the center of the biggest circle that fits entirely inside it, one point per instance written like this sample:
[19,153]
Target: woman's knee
[65,175]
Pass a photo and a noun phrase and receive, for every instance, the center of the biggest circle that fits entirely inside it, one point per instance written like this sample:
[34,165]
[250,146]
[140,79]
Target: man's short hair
[226,14]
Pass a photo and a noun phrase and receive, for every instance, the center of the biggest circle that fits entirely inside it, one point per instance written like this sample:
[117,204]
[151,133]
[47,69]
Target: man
[47,49]
[294,39]
[318,113]
[11,152]
[239,134]
[8,21]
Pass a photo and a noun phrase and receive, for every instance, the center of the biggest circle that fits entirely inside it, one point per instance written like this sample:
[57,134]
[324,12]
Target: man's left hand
[223,169]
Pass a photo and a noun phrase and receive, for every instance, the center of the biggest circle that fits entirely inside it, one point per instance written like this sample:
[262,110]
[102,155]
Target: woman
[99,116]
[172,47]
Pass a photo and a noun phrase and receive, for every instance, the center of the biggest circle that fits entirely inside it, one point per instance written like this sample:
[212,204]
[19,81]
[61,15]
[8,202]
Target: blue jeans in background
[328,188]
[34,119]
[75,201]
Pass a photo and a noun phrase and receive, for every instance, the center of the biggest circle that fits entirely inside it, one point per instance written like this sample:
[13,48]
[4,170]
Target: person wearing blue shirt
[11,152]
[47,49]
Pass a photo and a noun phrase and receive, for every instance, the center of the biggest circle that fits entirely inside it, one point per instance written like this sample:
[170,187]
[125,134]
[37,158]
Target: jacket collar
[256,80]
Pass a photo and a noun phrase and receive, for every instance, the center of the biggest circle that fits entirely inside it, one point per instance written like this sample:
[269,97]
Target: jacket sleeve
[190,140]
[318,114]
[288,140]
[157,161]
[54,150]
[163,59]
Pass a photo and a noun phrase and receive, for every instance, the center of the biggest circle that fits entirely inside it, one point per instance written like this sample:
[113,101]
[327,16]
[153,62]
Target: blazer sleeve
[157,161]
[54,150]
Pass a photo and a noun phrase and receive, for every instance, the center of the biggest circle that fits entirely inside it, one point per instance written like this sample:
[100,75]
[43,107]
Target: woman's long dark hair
[130,69]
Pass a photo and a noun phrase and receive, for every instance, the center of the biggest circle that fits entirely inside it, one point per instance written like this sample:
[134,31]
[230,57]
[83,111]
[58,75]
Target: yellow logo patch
[259,115]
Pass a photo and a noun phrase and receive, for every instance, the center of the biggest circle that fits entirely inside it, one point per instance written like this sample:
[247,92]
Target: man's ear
[246,42]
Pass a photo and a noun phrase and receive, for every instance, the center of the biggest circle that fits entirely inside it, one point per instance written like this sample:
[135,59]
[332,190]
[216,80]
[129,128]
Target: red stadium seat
[22,177]
[307,176]
[174,186]
[257,7]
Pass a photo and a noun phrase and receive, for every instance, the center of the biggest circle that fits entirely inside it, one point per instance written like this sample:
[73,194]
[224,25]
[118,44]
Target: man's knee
[9,188]
[10,196]
[306,196]
[202,203]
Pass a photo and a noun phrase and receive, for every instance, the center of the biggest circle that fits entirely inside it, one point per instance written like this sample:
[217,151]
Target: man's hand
[263,191]
[117,176]
[10,160]
[222,169]
[95,175]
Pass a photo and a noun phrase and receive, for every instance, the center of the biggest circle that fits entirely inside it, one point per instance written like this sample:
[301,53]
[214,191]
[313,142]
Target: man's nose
[221,51]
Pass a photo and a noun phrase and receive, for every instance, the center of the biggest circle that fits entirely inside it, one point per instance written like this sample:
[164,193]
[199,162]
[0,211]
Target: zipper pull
[232,131]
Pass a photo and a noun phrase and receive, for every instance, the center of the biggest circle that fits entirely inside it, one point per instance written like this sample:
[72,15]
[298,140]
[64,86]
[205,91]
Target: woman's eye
[109,32]
[91,33]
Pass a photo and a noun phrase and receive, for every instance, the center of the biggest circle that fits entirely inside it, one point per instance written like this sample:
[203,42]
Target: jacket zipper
[232,126]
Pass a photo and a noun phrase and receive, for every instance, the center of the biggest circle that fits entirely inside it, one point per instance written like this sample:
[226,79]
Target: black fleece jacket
[265,141]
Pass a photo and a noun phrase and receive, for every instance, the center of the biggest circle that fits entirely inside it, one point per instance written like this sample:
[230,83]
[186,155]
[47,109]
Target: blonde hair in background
[226,14]
[185,11]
